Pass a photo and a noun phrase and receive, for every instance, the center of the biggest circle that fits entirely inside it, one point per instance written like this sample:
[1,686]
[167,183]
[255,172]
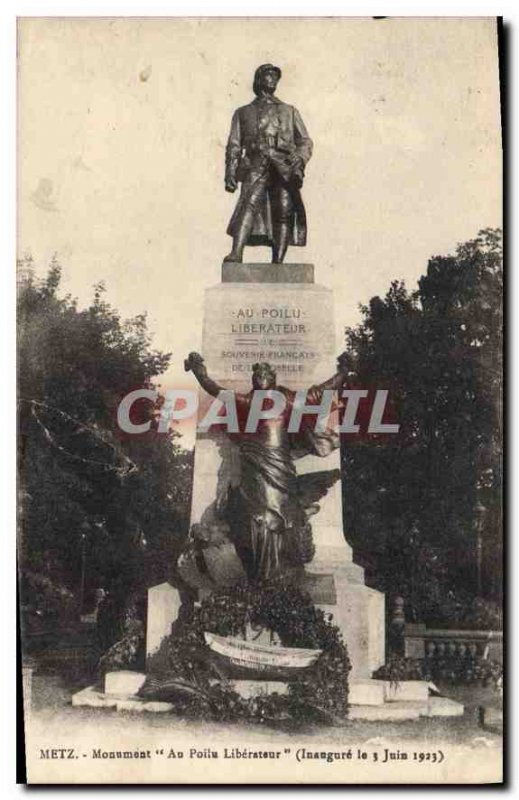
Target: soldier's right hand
[231,185]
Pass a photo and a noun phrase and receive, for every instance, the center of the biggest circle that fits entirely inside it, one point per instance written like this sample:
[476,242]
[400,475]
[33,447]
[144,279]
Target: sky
[122,131]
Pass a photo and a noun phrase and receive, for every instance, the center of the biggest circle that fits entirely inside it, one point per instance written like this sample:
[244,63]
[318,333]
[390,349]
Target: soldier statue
[267,151]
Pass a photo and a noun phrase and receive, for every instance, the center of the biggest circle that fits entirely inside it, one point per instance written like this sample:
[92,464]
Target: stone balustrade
[420,641]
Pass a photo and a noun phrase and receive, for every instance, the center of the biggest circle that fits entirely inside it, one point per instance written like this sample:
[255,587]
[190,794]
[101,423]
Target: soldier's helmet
[259,74]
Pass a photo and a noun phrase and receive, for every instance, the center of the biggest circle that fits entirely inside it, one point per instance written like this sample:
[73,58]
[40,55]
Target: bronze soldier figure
[267,151]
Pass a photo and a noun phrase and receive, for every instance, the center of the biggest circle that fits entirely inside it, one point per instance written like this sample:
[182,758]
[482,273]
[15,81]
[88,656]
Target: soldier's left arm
[302,141]
[233,151]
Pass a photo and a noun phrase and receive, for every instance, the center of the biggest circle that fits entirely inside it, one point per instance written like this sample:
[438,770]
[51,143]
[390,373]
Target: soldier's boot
[281,240]
[240,239]
[235,256]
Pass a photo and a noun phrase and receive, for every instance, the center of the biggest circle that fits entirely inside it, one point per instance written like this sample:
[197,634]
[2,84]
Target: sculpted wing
[313,486]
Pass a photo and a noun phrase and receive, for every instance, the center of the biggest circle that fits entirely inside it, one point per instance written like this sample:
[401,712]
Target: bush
[467,669]
[461,609]
[47,605]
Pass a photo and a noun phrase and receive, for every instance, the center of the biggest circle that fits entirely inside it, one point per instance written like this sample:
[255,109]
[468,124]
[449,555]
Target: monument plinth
[233,272]
[291,326]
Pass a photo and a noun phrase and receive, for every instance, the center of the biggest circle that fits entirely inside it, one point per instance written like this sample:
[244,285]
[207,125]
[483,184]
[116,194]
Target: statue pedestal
[264,315]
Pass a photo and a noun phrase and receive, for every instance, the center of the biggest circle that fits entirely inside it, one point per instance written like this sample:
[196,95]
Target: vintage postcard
[259,288]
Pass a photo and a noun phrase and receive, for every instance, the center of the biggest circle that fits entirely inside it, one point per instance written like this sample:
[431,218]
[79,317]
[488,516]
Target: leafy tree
[88,491]
[411,500]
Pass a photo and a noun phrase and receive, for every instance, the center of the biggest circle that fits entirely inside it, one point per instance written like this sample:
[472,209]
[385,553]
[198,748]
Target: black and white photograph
[259,291]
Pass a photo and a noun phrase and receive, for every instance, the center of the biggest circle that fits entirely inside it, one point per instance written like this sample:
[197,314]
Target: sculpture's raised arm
[195,363]
[337,381]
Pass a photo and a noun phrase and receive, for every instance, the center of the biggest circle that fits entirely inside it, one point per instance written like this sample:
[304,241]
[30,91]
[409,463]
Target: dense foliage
[97,508]
[413,501]
[468,669]
[191,683]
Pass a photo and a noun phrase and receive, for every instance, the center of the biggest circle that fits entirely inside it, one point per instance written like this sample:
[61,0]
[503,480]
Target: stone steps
[400,710]
[371,692]
[370,700]
[91,698]
[382,700]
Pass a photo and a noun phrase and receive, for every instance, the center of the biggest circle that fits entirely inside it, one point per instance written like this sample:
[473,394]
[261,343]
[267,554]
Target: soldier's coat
[247,161]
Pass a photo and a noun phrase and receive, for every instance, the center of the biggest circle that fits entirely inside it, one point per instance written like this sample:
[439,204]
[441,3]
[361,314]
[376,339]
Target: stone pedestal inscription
[289,325]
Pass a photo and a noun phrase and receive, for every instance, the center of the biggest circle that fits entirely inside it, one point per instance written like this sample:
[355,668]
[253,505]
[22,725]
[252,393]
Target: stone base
[91,698]
[444,707]
[402,710]
[366,693]
[394,712]
[359,612]
[367,700]
[267,273]
[407,690]
[377,693]
[123,683]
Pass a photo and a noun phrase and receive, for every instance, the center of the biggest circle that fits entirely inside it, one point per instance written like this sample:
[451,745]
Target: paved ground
[51,709]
